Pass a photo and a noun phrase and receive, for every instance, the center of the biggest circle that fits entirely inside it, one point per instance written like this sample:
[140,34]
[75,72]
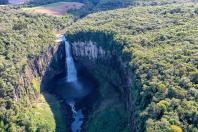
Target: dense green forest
[23,37]
[160,44]
[158,40]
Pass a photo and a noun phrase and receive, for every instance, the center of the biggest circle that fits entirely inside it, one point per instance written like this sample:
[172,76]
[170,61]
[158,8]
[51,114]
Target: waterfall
[69,62]
[71,77]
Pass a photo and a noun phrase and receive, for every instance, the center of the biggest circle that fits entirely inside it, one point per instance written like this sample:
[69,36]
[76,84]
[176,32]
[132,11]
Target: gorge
[120,70]
[81,84]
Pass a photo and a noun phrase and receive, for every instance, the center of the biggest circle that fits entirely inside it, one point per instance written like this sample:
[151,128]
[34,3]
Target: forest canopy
[158,40]
[162,42]
[23,37]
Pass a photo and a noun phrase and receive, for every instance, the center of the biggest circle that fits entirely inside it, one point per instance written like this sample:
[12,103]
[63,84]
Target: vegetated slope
[23,37]
[161,46]
[102,3]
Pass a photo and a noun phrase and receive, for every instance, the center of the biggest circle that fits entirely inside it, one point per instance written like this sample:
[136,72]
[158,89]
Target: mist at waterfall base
[75,88]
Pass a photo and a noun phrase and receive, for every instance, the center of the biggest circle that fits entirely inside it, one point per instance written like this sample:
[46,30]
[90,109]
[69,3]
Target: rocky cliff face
[55,66]
[90,52]
[37,68]
[94,57]
[91,56]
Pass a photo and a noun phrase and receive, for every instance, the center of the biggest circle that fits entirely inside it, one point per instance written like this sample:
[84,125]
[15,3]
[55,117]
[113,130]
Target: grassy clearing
[61,120]
[42,115]
[36,84]
[55,9]
[46,114]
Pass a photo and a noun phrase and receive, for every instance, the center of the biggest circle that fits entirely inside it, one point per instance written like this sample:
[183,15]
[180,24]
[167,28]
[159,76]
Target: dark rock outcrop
[55,66]
[91,55]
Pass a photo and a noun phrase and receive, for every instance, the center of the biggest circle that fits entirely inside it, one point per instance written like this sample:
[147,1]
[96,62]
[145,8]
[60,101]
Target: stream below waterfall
[74,89]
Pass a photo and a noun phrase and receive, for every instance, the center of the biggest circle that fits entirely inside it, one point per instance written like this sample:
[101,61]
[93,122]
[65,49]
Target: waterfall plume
[69,63]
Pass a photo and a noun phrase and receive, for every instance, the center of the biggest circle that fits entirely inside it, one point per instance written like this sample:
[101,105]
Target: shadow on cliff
[53,88]
[119,62]
[54,68]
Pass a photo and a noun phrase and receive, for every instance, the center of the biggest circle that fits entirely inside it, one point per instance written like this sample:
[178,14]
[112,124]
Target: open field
[55,9]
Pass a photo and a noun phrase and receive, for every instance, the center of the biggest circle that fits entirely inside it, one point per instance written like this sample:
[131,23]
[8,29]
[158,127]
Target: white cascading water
[71,69]
[71,77]
[78,116]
